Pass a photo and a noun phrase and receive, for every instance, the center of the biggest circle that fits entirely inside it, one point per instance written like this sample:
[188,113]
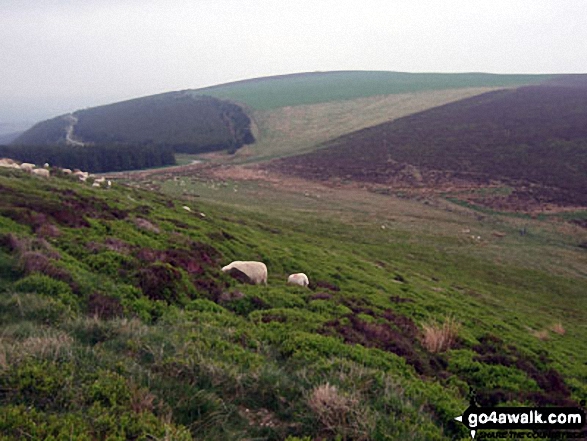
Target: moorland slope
[116,321]
[532,139]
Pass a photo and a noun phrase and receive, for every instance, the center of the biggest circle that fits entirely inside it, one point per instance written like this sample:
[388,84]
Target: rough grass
[439,338]
[210,347]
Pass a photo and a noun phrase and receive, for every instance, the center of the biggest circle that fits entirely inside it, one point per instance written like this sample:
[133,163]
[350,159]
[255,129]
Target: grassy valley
[117,320]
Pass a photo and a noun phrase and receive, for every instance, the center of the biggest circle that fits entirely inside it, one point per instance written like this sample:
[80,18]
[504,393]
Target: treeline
[96,158]
[189,123]
[184,121]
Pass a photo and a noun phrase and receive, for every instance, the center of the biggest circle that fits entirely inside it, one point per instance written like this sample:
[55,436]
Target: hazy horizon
[63,55]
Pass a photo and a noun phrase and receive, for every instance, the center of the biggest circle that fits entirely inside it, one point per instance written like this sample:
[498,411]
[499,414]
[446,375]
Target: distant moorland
[533,136]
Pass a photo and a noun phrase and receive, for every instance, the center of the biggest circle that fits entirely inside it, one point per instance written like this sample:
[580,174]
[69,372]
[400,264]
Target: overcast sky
[60,55]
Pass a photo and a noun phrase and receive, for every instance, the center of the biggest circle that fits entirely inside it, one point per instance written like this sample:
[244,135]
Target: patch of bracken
[398,299]
[492,350]
[210,287]
[103,306]
[160,281]
[401,340]
[321,296]
[220,236]
[229,296]
[358,306]
[68,209]
[322,284]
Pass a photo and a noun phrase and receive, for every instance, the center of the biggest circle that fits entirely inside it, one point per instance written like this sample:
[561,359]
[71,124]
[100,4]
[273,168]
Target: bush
[45,285]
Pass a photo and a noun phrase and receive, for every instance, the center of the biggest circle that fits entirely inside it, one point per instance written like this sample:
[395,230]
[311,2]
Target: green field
[320,87]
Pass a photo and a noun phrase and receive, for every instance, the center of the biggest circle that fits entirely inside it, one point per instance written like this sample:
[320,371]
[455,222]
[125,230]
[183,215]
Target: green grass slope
[117,322]
[320,87]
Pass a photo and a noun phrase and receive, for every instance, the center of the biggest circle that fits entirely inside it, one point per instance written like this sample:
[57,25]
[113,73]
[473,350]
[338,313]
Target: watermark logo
[535,419]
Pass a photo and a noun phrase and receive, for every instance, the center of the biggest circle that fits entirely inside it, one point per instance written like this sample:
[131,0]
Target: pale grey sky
[60,55]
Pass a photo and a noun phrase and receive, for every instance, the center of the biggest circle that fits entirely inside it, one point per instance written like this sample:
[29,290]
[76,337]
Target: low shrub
[45,285]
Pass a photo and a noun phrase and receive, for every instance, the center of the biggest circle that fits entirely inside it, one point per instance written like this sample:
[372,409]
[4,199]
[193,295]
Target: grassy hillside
[116,320]
[532,137]
[188,123]
[321,87]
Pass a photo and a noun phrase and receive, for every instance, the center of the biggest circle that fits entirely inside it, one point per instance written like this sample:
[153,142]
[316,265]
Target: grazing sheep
[9,163]
[255,272]
[27,166]
[67,171]
[298,279]
[41,172]
[186,208]
[82,176]
[96,184]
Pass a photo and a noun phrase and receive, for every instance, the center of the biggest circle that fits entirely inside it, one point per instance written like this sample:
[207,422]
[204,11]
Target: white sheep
[298,279]
[255,271]
[27,166]
[41,172]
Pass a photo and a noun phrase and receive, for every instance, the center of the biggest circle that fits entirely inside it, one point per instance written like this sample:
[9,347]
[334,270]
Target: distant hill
[533,136]
[219,118]
[320,87]
[187,122]
[6,138]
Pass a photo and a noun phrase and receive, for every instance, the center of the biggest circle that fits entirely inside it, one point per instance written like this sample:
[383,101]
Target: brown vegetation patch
[398,299]
[229,296]
[321,296]
[399,335]
[439,338]
[193,260]
[104,307]
[322,284]
[68,209]
[160,282]
[492,350]
[146,225]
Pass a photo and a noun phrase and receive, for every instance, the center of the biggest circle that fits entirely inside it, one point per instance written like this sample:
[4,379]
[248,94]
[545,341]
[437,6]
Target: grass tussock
[439,338]
[339,413]
[53,345]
